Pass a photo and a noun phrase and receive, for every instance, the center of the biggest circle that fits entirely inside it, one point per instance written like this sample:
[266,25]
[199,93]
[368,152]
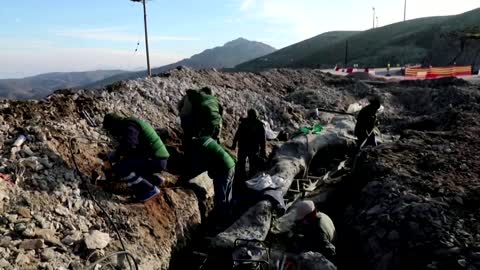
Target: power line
[144,2]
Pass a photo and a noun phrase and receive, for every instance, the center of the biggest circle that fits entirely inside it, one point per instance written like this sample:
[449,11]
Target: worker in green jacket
[139,157]
[209,114]
[200,114]
[204,154]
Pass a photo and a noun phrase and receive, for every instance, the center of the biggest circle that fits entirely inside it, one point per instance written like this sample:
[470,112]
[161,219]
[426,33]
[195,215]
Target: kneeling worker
[205,154]
[139,157]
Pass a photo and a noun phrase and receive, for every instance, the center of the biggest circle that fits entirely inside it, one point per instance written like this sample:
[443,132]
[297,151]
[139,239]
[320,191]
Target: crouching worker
[204,154]
[139,157]
[366,123]
[305,229]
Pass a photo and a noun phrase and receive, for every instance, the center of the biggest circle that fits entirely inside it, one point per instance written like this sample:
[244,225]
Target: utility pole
[377,21]
[346,54]
[144,2]
[405,11]
[373,17]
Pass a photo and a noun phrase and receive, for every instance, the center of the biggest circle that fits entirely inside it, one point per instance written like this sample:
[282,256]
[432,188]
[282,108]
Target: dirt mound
[442,82]
[363,76]
[418,205]
[418,210]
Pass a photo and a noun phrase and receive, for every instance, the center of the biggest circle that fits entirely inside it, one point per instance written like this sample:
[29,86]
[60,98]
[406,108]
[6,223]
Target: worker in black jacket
[366,123]
[251,141]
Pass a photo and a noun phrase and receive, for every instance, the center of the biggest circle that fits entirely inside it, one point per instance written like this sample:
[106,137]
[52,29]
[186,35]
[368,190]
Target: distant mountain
[42,85]
[424,41]
[226,56]
[284,57]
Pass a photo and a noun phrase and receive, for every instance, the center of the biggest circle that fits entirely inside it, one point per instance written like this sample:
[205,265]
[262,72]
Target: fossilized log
[290,160]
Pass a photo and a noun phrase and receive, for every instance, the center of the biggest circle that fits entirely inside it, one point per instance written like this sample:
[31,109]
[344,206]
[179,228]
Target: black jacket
[366,121]
[250,136]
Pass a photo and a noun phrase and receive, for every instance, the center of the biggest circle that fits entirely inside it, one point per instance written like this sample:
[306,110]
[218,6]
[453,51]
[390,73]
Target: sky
[79,35]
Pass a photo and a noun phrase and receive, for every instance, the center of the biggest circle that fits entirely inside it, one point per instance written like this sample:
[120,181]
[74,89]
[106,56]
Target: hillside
[422,40]
[283,57]
[226,56]
[42,85]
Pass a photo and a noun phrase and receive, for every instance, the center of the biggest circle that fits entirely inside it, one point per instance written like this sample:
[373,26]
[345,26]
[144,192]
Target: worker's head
[207,91]
[375,103]
[111,122]
[305,209]
[252,114]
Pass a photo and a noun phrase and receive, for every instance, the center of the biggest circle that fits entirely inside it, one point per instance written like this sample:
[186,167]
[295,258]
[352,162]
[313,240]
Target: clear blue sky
[75,35]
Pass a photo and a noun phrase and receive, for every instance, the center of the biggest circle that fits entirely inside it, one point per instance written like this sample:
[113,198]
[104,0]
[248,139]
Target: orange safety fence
[438,72]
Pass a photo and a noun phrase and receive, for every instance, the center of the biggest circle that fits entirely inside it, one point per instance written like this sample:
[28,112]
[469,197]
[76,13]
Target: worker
[200,114]
[251,140]
[208,115]
[185,109]
[204,154]
[304,228]
[315,231]
[366,123]
[139,157]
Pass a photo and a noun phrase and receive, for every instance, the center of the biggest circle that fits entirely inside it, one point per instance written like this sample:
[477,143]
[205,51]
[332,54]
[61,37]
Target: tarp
[316,129]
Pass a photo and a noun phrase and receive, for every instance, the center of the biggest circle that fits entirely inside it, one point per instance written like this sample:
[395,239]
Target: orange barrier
[438,72]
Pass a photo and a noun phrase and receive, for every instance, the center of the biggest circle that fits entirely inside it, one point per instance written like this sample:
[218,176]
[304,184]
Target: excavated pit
[410,204]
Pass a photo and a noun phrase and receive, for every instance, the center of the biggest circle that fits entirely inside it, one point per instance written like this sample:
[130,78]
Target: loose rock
[97,240]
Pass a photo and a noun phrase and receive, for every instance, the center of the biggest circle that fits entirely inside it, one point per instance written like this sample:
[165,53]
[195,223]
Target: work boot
[148,195]
[142,189]
[156,179]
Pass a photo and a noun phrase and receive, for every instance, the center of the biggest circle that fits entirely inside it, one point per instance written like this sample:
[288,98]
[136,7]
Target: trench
[332,199]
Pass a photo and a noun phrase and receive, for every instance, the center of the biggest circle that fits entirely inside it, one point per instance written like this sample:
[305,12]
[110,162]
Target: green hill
[284,57]
[424,40]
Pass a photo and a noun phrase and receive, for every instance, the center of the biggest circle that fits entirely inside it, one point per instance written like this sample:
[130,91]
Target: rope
[106,215]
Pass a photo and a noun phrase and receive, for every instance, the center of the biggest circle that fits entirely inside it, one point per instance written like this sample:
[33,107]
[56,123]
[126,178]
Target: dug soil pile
[415,202]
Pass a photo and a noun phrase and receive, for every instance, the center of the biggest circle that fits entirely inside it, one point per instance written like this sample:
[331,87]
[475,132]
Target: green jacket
[150,138]
[211,156]
[209,112]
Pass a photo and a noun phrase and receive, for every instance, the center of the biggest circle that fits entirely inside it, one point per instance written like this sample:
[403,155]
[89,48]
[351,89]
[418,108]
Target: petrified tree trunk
[290,160]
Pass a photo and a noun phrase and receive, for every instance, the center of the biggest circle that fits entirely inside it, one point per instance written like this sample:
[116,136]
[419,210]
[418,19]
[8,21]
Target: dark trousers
[370,141]
[141,167]
[222,185]
[209,130]
[187,128]
[139,173]
[254,163]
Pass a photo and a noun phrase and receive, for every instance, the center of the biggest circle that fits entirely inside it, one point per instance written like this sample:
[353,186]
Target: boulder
[97,240]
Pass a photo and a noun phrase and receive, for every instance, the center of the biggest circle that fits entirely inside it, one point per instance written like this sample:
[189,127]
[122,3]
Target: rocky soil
[418,195]
[420,206]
